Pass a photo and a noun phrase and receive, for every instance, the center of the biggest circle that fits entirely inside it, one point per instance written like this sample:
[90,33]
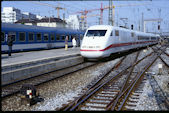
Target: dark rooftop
[46,19]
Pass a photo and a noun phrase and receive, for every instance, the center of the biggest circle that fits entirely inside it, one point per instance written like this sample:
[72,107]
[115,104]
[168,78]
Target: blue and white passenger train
[28,37]
[102,40]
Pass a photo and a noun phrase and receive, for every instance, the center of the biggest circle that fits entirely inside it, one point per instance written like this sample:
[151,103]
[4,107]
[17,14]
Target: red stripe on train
[118,45]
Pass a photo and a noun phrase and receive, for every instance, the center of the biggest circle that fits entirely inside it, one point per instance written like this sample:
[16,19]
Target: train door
[116,36]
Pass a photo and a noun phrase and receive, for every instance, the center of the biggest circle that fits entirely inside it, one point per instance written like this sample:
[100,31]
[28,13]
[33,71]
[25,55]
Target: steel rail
[43,78]
[164,61]
[115,100]
[94,90]
[67,107]
[134,84]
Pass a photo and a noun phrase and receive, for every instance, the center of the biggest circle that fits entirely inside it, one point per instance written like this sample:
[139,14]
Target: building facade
[10,15]
[27,15]
[73,22]
[51,22]
[47,22]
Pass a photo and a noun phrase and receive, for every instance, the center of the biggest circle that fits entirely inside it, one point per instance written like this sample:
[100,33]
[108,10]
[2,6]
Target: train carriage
[28,37]
[102,40]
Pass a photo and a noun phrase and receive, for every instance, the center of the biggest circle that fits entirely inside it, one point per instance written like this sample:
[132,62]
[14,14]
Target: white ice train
[101,41]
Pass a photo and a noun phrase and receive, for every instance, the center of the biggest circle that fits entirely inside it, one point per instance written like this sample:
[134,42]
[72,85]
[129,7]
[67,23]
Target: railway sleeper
[99,100]
[100,105]
[109,92]
[129,107]
[133,98]
[131,104]
[103,97]
[132,101]
[107,95]
[135,94]
[111,88]
[91,108]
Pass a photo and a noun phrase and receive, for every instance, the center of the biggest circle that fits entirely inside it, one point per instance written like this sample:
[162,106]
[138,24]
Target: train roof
[20,27]
[102,27]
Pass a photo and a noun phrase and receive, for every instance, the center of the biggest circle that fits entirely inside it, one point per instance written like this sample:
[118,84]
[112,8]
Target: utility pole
[151,20]
[142,22]
[110,13]
[100,21]
[159,22]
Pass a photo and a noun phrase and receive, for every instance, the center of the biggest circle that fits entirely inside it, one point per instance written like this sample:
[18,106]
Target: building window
[52,36]
[39,36]
[22,37]
[31,37]
[46,37]
[116,32]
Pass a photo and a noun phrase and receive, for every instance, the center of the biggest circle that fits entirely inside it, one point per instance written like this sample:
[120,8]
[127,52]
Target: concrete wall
[34,70]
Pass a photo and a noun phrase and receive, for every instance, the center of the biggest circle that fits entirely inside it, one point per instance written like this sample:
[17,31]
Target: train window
[39,37]
[96,33]
[69,37]
[2,37]
[22,36]
[46,37]
[153,38]
[116,32]
[52,36]
[143,38]
[31,37]
[57,37]
[111,33]
[63,37]
[13,34]
[77,37]
[132,34]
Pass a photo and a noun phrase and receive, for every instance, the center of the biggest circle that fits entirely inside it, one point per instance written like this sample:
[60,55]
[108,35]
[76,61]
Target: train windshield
[96,33]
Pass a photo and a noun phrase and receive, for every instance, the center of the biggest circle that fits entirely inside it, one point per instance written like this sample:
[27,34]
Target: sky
[149,9]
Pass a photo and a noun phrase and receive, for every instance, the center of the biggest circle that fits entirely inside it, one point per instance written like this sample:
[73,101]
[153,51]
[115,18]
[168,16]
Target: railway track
[11,89]
[127,72]
[118,91]
[14,88]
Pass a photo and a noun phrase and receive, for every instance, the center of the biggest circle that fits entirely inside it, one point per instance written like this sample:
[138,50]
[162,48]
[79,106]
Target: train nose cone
[91,54]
